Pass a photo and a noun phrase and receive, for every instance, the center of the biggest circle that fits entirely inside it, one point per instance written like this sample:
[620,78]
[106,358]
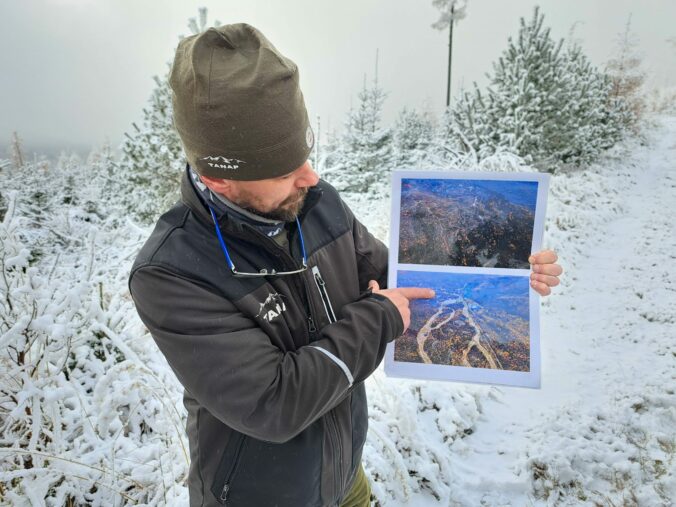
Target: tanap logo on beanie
[220,162]
[309,137]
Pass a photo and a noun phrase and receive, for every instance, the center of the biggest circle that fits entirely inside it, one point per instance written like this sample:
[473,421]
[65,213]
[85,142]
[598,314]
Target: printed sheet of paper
[468,235]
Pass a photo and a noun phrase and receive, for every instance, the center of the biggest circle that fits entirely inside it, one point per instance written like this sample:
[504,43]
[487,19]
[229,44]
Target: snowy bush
[89,414]
[611,456]
[625,73]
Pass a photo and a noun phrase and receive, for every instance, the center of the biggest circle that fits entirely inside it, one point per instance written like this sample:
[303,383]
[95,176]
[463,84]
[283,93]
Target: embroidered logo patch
[309,137]
[272,307]
[220,162]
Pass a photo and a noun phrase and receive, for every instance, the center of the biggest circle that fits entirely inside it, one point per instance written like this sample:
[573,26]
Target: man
[262,289]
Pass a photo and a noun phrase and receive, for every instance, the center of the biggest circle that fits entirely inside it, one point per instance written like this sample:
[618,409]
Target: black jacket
[273,368]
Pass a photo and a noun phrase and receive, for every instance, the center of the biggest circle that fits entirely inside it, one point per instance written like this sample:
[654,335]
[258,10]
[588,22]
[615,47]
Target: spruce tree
[147,178]
[148,174]
[362,160]
[545,102]
[412,138]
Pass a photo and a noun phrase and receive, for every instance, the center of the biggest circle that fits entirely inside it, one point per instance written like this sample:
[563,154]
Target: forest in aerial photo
[475,320]
[459,222]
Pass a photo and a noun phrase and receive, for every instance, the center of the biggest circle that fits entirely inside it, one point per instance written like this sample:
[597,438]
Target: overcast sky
[75,73]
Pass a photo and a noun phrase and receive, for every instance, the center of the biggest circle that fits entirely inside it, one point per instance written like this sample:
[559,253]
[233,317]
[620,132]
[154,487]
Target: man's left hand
[545,271]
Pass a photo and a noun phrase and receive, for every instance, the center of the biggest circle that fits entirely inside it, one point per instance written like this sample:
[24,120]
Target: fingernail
[531,259]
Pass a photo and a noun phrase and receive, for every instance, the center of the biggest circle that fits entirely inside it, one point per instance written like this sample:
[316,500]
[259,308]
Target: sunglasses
[262,272]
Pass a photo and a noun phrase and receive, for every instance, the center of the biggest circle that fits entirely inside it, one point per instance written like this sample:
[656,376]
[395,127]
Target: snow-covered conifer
[412,137]
[363,159]
[545,102]
[148,175]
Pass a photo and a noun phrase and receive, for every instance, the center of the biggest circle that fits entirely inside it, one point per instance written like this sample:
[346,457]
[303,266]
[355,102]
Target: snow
[91,413]
[602,430]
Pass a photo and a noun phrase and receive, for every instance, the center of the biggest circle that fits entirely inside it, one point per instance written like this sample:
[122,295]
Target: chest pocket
[323,307]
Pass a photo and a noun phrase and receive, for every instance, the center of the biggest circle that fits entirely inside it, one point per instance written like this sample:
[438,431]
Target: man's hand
[545,272]
[401,298]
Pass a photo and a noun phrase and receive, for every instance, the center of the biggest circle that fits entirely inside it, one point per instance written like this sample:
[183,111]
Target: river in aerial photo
[477,223]
[475,321]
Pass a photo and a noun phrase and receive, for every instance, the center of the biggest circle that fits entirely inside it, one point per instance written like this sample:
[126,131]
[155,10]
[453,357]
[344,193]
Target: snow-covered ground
[602,429]
[90,413]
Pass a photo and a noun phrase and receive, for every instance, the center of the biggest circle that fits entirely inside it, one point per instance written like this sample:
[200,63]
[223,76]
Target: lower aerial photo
[475,321]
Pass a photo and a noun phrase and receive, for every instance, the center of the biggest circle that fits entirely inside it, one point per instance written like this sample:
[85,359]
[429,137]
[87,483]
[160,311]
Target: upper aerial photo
[463,222]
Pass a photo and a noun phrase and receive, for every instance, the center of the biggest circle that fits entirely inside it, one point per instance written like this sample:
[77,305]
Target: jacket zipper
[333,426]
[302,287]
[321,287]
[338,452]
[227,478]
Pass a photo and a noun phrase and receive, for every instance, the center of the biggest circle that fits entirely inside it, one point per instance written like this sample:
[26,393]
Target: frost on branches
[545,102]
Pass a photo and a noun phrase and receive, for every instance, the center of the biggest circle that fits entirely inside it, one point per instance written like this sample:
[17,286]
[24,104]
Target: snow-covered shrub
[545,102]
[611,456]
[89,412]
[625,72]
[412,425]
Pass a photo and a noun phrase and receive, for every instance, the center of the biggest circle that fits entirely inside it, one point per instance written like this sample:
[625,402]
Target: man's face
[275,198]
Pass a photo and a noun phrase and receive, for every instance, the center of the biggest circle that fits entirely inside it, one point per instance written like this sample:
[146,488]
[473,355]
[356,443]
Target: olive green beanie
[237,105]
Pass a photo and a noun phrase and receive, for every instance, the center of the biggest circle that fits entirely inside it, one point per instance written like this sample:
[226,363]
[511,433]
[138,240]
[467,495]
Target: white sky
[78,72]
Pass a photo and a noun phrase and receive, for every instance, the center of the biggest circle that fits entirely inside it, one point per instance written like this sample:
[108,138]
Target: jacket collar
[229,222]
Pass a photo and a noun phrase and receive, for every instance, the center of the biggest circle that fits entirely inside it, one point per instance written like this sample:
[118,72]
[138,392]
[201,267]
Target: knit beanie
[237,105]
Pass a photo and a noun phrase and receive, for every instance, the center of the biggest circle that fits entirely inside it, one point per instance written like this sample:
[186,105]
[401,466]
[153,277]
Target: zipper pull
[311,325]
[224,494]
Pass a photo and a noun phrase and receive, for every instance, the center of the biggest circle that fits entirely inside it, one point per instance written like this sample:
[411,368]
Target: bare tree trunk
[450,53]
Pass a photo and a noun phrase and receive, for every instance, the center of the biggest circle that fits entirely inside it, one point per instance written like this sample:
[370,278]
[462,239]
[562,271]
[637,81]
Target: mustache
[296,197]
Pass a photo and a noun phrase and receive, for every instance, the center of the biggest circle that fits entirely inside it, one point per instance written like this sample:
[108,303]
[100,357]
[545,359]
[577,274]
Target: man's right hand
[401,297]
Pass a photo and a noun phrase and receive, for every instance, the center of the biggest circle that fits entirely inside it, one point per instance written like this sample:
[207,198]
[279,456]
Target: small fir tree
[362,160]
[412,137]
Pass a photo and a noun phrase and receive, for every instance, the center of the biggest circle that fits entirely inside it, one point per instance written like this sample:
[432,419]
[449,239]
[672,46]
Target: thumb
[373,285]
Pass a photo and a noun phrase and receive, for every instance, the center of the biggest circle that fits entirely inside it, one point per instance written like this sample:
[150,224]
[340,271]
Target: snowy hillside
[90,413]
[602,430]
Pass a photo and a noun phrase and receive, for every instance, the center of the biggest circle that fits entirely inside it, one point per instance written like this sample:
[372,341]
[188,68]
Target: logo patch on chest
[272,307]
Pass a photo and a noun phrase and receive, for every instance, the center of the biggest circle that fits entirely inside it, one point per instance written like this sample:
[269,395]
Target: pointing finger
[416,293]
[373,285]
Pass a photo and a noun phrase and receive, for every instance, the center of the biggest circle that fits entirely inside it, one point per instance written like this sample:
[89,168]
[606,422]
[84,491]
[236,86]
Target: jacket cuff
[393,315]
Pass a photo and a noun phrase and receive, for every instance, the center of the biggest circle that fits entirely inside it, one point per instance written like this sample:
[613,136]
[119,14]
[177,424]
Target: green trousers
[360,494]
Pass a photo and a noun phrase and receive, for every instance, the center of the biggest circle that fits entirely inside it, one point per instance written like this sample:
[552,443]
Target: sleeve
[231,367]
[372,254]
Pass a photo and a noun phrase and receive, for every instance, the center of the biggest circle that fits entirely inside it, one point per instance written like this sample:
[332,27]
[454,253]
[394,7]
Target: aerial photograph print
[467,222]
[475,321]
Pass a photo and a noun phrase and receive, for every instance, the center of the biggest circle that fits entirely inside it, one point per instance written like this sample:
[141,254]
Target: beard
[287,211]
